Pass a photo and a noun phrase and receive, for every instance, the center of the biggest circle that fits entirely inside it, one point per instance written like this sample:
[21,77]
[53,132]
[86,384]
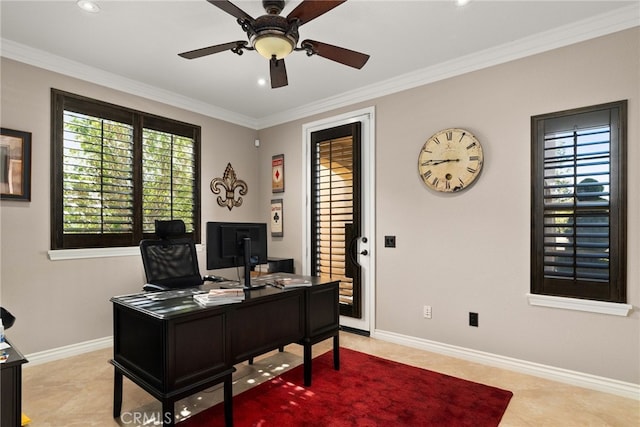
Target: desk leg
[228,401]
[117,393]
[336,352]
[307,364]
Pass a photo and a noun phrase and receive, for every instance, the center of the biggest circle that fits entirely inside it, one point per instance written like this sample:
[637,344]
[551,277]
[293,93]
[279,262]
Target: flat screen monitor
[236,244]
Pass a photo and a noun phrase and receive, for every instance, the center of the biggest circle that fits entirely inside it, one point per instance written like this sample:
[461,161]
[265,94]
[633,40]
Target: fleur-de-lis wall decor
[230,184]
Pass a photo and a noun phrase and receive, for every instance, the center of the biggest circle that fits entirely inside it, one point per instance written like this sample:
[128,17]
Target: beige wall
[457,253]
[470,251]
[59,303]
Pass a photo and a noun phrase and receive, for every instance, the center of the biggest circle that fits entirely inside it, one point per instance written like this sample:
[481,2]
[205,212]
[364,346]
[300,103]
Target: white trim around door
[367,117]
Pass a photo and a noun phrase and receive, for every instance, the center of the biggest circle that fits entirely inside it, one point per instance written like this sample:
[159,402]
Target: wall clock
[450,160]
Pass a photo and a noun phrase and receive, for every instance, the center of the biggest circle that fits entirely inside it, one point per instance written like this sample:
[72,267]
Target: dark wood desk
[11,387]
[175,347]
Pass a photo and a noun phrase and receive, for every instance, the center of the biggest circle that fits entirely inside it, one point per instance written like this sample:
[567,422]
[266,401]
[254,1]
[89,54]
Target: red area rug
[366,391]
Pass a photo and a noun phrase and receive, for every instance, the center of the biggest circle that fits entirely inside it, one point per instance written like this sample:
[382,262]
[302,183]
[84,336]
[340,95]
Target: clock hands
[450,160]
[437,162]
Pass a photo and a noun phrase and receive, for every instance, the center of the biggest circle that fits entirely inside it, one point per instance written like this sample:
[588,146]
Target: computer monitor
[236,244]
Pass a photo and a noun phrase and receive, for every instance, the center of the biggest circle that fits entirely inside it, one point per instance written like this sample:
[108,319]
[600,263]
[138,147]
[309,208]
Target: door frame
[367,117]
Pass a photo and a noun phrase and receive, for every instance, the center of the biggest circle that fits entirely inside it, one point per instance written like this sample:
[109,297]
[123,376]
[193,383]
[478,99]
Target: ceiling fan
[274,36]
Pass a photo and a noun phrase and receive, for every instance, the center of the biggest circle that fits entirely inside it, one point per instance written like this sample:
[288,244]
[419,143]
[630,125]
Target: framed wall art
[15,165]
[277,173]
[277,229]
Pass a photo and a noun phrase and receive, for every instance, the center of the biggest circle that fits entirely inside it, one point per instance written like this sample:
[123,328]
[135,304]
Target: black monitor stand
[246,249]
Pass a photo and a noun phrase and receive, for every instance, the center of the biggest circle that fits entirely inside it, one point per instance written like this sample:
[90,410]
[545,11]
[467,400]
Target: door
[338,215]
[335,211]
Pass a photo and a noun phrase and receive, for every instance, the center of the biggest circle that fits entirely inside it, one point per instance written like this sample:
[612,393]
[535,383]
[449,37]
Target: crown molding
[601,25]
[67,67]
[608,23]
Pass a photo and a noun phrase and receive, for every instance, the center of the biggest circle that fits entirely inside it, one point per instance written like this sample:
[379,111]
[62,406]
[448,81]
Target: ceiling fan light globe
[270,45]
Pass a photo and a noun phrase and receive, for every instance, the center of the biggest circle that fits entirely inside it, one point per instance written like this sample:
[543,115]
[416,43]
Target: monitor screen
[226,243]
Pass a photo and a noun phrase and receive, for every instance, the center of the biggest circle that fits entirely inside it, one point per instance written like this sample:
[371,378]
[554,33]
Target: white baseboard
[67,351]
[580,379]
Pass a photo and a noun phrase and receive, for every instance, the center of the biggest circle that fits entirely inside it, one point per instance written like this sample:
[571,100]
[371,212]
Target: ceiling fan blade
[192,54]
[339,54]
[278,73]
[231,9]
[311,9]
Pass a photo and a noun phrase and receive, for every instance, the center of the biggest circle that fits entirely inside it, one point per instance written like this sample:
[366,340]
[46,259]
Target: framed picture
[15,165]
[276,218]
[277,173]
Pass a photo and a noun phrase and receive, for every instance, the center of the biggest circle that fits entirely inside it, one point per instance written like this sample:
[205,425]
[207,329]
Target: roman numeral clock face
[450,160]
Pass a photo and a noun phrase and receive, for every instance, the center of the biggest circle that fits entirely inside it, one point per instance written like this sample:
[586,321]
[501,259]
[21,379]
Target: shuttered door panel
[334,211]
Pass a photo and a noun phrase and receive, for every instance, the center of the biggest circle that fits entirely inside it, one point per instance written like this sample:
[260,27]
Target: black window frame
[61,101]
[614,288]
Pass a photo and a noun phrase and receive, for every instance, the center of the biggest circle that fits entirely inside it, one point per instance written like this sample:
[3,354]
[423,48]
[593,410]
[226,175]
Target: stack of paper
[289,283]
[220,296]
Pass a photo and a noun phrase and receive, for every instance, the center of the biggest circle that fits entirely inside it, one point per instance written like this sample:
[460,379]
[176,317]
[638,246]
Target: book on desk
[290,283]
[220,296]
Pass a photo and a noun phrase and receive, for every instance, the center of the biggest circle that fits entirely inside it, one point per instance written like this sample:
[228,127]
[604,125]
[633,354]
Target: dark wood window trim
[139,121]
[559,266]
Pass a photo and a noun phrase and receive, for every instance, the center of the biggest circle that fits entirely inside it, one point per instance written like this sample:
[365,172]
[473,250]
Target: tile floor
[78,391]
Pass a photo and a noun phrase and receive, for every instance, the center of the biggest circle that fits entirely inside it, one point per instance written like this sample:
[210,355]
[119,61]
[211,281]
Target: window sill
[67,254]
[612,308]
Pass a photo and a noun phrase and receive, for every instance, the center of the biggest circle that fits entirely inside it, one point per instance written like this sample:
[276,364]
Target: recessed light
[88,6]
[462,2]
[262,82]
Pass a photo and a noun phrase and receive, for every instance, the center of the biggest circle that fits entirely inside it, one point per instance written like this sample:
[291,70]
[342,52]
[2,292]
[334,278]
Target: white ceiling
[133,46]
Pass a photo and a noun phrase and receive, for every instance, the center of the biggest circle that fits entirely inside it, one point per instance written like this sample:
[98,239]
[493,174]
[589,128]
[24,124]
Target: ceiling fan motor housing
[273,35]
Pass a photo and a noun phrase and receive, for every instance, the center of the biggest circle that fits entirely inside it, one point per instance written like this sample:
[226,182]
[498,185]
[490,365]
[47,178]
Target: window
[578,220]
[115,171]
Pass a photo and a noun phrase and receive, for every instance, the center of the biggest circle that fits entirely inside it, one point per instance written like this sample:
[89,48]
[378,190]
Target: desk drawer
[138,344]
[198,349]
[264,326]
[323,312]
[171,354]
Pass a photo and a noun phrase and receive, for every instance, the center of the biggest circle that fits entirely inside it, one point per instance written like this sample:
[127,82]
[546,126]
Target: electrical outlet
[473,319]
[427,312]
[389,241]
